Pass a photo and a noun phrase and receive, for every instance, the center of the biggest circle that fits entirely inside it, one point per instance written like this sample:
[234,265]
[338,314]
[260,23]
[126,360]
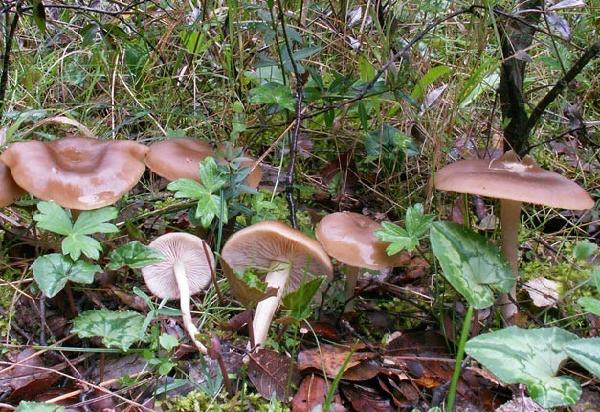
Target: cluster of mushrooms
[85,174]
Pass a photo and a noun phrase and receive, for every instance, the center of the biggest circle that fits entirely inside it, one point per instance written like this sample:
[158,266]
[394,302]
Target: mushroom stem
[266,308]
[510,221]
[184,299]
[352,273]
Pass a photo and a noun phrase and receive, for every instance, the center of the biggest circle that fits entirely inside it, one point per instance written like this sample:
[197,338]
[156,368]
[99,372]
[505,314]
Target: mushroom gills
[277,277]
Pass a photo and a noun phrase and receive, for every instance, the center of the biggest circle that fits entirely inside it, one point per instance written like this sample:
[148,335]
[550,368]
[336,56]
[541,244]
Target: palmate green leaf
[273,93]
[53,218]
[119,329]
[51,272]
[210,175]
[586,352]
[531,357]
[590,304]
[472,265]
[417,224]
[133,254]
[209,207]
[27,406]
[95,221]
[186,189]
[298,301]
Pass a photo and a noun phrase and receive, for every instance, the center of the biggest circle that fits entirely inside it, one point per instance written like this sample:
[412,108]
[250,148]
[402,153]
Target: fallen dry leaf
[330,359]
[543,292]
[272,372]
[311,393]
[366,399]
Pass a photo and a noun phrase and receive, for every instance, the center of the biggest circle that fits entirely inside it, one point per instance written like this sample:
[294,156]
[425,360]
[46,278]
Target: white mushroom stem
[510,221]
[184,299]
[265,310]
[352,273]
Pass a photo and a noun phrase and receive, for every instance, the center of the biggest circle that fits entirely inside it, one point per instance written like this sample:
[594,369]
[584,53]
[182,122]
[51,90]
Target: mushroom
[286,255]
[9,190]
[513,182]
[76,172]
[350,238]
[178,158]
[184,273]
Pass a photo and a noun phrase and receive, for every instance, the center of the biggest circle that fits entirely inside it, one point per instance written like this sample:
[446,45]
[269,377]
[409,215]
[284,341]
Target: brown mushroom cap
[350,238]
[511,179]
[189,250]
[177,158]
[76,172]
[9,190]
[265,244]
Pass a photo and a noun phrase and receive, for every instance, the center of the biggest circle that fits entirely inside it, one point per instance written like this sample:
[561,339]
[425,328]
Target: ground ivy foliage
[119,329]
[531,357]
[474,267]
[52,272]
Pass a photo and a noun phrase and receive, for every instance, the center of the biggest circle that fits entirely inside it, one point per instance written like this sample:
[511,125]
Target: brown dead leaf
[363,371]
[311,393]
[364,398]
[133,301]
[272,372]
[26,372]
[330,359]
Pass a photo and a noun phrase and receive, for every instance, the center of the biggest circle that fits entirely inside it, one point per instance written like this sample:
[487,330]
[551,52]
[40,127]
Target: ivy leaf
[133,254]
[119,329]
[55,219]
[27,406]
[51,272]
[416,223]
[273,93]
[298,301]
[532,357]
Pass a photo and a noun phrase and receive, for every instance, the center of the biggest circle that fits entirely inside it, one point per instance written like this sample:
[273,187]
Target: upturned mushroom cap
[350,238]
[183,247]
[76,172]
[9,190]
[511,179]
[177,158]
[266,244]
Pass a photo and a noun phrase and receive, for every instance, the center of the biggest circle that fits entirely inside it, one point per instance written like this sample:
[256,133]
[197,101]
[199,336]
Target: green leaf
[595,277]
[590,304]
[210,175]
[53,218]
[586,352]
[429,78]
[417,224]
[298,301]
[472,265]
[38,11]
[273,93]
[584,250]
[51,272]
[26,406]
[186,189]
[119,329]
[252,279]
[168,342]
[531,357]
[135,255]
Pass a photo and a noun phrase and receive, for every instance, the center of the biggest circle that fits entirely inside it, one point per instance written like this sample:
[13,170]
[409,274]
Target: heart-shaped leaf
[531,357]
[119,329]
[586,352]
[51,272]
[135,255]
[475,267]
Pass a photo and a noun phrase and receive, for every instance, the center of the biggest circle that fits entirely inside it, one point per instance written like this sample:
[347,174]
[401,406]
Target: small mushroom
[178,158]
[350,238]
[184,273]
[76,172]
[286,255]
[513,182]
[9,190]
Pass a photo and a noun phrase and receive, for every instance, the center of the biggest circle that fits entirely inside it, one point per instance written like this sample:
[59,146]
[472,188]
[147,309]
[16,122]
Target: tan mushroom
[9,190]
[513,182]
[178,159]
[287,256]
[185,272]
[350,238]
[77,173]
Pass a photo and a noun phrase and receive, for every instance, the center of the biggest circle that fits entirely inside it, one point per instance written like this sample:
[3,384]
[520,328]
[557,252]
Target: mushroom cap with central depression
[350,238]
[267,244]
[187,249]
[76,172]
[511,179]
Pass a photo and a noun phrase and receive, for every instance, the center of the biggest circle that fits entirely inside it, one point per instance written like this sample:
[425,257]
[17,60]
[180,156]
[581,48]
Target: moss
[198,401]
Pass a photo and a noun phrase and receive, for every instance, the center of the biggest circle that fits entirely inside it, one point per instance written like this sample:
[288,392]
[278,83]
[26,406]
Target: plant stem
[510,222]
[184,301]
[460,353]
[265,310]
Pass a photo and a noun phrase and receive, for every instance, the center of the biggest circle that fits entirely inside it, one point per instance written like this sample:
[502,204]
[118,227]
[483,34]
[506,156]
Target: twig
[590,53]
[289,179]
[6,66]
[213,277]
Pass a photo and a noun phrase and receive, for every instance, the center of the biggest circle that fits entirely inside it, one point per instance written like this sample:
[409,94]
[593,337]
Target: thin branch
[589,54]
[6,66]
[289,179]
